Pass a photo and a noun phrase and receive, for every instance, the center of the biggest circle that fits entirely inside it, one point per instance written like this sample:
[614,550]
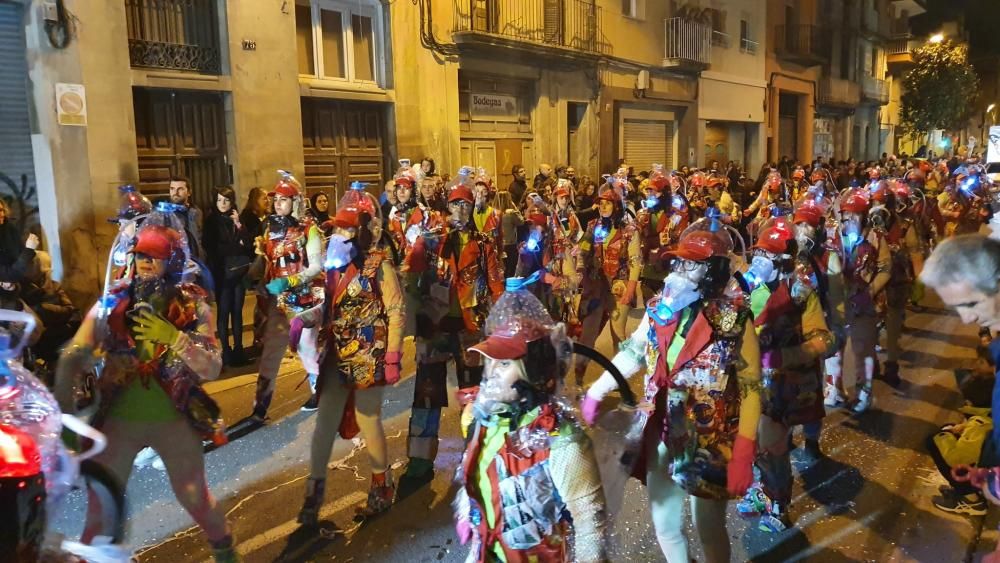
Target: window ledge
[318,87]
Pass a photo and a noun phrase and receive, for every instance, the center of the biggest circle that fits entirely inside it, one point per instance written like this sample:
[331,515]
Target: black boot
[309,515]
[891,374]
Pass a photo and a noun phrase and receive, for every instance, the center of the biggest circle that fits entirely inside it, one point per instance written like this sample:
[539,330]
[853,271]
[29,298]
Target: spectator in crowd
[252,218]
[388,200]
[15,255]
[519,185]
[180,194]
[733,173]
[319,207]
[58,316]
[427,166]
[560,171]
[964,270]
[229,260]
[571,176]
[544,173]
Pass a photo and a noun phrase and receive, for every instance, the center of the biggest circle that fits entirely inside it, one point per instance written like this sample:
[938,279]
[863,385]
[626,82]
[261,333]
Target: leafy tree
[939,91]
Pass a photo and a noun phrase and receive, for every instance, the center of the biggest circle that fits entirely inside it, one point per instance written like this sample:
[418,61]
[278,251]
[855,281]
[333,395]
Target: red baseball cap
[461,192]
[774,238]
[503,346]
[697,246]
[347,217]
[810,213]
[855,202]
[404,181]
[538,219]
[284,188]
[157,242]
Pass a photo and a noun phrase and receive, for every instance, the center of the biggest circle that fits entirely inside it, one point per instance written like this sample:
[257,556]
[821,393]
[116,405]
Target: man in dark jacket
[519,185]
[180,193]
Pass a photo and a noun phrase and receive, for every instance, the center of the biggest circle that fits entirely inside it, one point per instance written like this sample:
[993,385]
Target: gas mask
[461,211]
[851,231]
[804,234]
[762,271]
[340,251]
[679,291]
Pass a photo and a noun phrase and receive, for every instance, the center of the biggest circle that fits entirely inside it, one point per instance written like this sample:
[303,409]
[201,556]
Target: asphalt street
[867,499]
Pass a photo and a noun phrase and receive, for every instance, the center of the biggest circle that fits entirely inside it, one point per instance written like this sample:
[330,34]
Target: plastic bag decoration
[355,202]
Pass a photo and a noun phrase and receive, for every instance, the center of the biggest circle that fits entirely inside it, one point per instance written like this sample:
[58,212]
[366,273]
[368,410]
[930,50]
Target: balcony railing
[573,24]
[902,45]
[803,43]
[720,39]
[687,43]
[874,89]
[839,93]
[748,46]
[174,34]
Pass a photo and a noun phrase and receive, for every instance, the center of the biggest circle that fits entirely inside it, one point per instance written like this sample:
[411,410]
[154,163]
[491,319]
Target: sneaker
[864,400]
[832,397]
[146,456]
[959,504]
[311,405]
[380,496]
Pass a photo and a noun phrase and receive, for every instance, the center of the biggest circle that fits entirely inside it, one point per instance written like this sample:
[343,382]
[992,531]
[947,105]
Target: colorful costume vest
[358,323]
[286,255]
[697,399]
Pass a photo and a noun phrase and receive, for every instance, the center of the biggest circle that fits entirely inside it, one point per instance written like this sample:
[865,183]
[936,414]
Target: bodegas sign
[493,106]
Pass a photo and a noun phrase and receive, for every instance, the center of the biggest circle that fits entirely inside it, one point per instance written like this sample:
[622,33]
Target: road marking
[272,535]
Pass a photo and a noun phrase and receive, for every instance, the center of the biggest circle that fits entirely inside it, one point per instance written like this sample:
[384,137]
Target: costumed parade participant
[485,216]
[658,226]
[38,468]
[771,194]
[464,276]
[361,345]
[155,333]
[963,202]
[866,272]
[565,230]
[700,352]
[900,235]
[794,339]
[609,265]
[530,489]
[292,251]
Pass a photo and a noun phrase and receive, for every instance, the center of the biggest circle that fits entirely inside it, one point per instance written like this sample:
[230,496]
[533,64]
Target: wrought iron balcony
[802,43]
[874,90]
[899,50]
[687,44]
[748,46]
[839,93]
[563,25]
[174,34]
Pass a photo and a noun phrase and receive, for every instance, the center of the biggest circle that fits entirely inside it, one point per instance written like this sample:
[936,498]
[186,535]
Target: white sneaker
[864,400]
[832,397]
[146,456]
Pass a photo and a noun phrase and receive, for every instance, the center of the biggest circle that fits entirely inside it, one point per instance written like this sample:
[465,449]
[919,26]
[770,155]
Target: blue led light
[532,244]
[600,233]
[650,202]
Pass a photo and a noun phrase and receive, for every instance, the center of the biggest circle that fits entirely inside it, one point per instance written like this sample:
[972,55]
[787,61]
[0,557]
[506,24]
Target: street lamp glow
[936,38]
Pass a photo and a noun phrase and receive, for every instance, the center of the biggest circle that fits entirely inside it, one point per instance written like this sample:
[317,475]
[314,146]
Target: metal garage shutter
[648,141]
[15,131]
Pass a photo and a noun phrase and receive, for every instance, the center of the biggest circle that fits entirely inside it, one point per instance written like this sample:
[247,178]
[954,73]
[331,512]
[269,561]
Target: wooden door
[342,142]
[184,132]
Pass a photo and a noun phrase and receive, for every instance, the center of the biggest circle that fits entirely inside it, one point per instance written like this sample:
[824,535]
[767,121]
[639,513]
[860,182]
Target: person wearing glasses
[698,348]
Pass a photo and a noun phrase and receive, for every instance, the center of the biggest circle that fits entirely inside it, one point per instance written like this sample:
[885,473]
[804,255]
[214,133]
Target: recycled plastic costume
[530,489]
[464,276]
[155,332]
[361,343]
[700,350]
[659,225]
[609,265]
[794,339]
[866,272]
[899,234]
[566,231]
[292,250]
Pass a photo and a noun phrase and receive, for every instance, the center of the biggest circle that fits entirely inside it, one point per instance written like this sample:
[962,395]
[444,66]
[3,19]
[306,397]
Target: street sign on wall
[496,107]
[993,146]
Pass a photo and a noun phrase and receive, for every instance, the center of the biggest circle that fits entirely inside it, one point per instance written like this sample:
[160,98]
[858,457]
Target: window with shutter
[17,167]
